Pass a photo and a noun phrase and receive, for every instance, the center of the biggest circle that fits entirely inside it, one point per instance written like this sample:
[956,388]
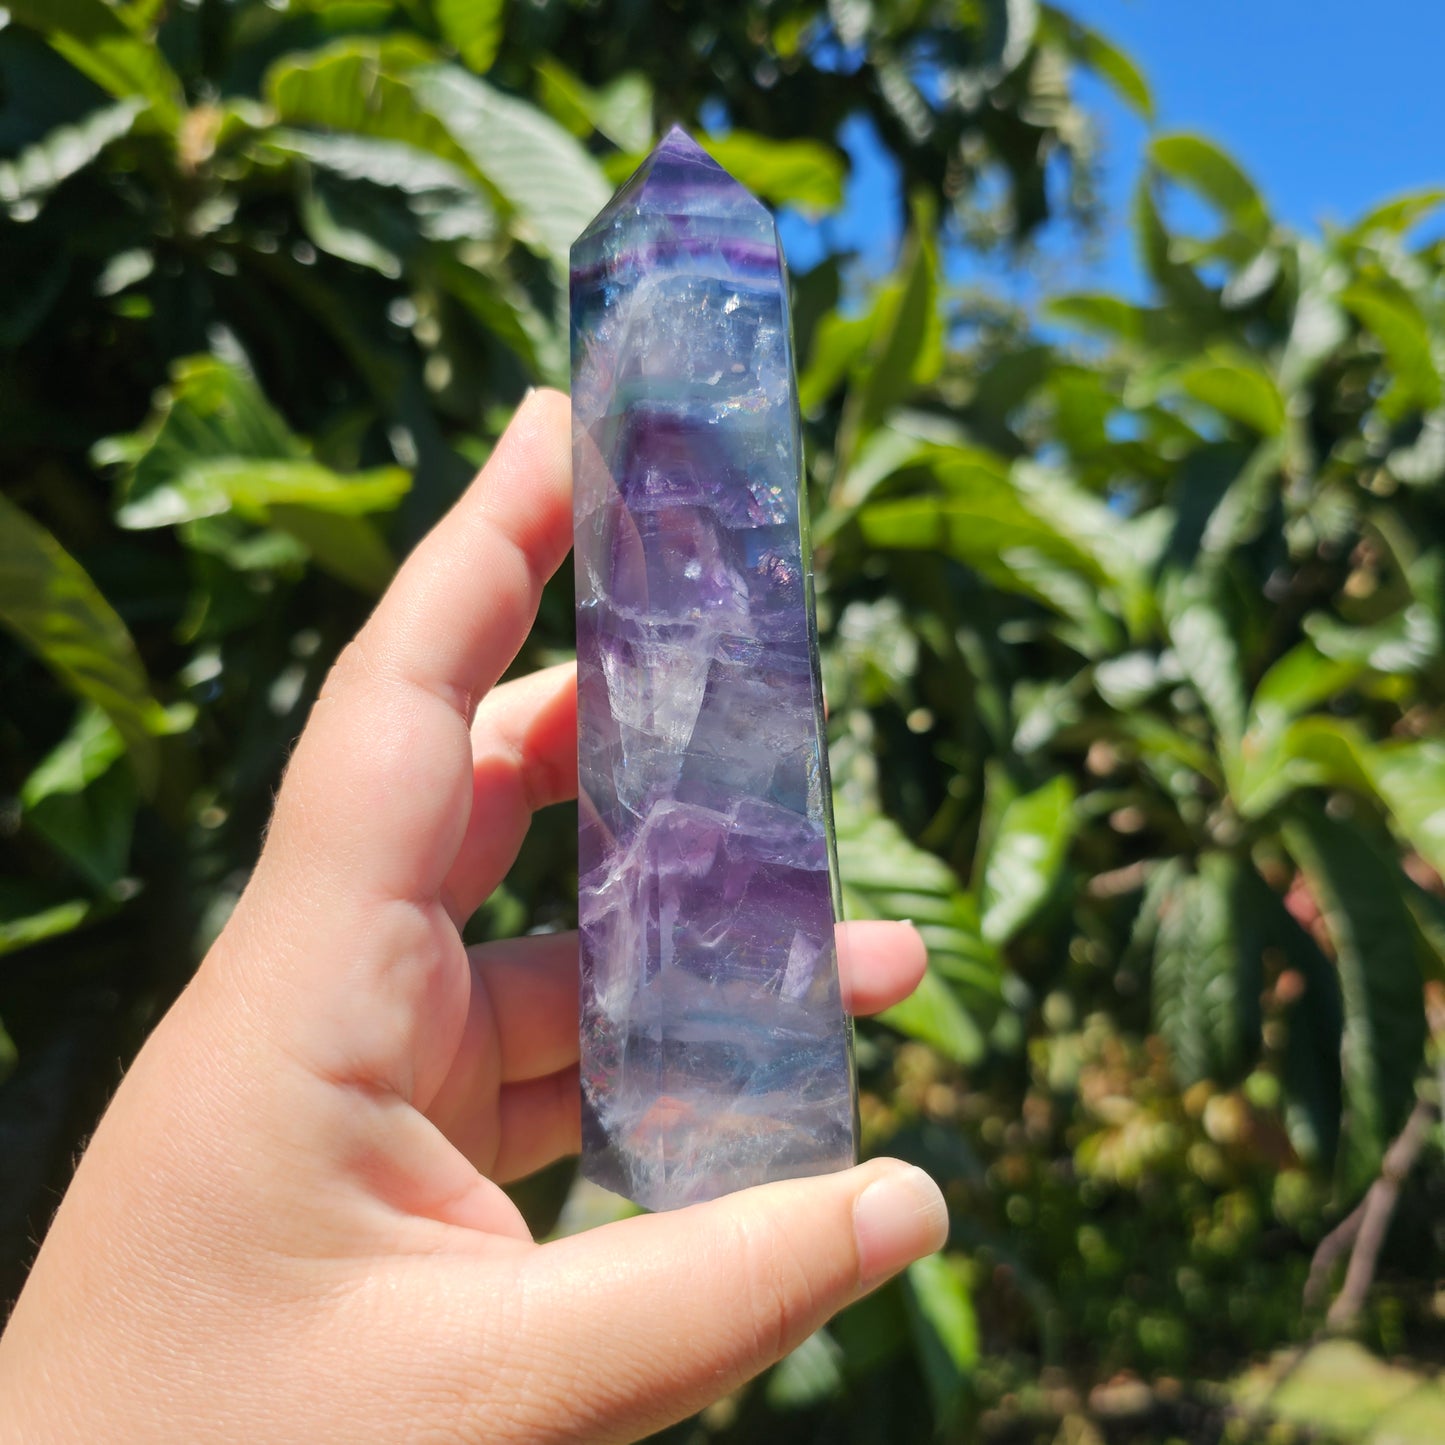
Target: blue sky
[1330,106]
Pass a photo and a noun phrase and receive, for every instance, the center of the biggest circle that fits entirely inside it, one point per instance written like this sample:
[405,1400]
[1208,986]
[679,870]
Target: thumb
[652,1318]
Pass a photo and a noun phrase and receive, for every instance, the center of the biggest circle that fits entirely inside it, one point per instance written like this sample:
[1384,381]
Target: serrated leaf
[49,602]
[1208,654]
[66,150]
[1359,891]
[1207,969]
[1027,852]
[544,176]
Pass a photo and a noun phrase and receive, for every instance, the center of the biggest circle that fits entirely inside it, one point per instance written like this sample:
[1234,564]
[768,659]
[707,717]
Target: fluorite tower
[715,1050]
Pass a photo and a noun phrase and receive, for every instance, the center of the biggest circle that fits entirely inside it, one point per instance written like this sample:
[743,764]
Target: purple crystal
[715,1050]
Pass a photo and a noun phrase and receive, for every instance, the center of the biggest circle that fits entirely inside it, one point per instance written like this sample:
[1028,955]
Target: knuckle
[780,1297]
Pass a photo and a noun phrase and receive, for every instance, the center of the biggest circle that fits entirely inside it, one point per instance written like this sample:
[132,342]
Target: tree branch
[1363,1231]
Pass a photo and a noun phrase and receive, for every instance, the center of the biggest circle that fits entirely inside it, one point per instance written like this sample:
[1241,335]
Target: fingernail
[897,1219]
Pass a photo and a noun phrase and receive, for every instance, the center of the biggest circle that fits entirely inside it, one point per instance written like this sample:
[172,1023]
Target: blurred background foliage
[1132,617]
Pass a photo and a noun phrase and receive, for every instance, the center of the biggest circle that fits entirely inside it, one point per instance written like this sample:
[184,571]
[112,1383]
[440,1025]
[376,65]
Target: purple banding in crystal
[715,1050]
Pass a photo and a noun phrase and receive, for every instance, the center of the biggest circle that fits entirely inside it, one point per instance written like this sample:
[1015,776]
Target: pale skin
[289,1224]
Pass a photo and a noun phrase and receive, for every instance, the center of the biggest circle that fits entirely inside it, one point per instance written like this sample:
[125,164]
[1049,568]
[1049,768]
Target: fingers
[763,1269]
[879,964]
[377,798]
[531,984]
[522,1027]
[524,757]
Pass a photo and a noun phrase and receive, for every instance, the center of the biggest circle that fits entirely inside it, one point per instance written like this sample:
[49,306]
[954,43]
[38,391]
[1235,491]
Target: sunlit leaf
[1238,389]
[82,804]
[473,28]
[1393,316]
[800,173]
[945,1328]
[545,177]
[1111,64]
[39,168]
[1201,165]
[48,601]
[1026,855]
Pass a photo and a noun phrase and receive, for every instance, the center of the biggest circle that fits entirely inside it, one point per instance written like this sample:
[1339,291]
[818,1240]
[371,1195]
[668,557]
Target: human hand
[289,1224]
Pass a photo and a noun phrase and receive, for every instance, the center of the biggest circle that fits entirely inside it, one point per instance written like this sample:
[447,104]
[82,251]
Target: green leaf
[214,445]
[903,348]
[442,201]
[1100,313]
[1207,973]
[473,28]
[945,1329]
[1238,388]
[95,38]
[21,930]
[886,875]
[361,86]
[1398,215]
[620,110]
[1201,165]
[1404,334]
[839,343]
[933,1015]
[546,179]
[80,803]
[1361,894]
[48,601]
[1026,856]
[808,1376]
[1208,653]
[253,486]
[1310,1075]
[1001,525]
[1115,67]
[801,173]
[68,149]
[1410,779]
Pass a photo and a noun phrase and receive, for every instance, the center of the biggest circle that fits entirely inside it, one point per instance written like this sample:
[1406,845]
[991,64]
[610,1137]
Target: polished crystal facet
[715,1050]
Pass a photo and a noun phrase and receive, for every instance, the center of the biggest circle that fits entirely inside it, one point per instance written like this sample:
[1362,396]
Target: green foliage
[1132,622]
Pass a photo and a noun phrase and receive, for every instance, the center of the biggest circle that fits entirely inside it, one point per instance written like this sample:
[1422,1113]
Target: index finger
[379,790]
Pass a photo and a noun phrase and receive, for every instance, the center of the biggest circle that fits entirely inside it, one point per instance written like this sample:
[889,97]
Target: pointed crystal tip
[677,178]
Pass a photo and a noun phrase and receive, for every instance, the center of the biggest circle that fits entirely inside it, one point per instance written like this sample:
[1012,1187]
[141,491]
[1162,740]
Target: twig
[1363,1231]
